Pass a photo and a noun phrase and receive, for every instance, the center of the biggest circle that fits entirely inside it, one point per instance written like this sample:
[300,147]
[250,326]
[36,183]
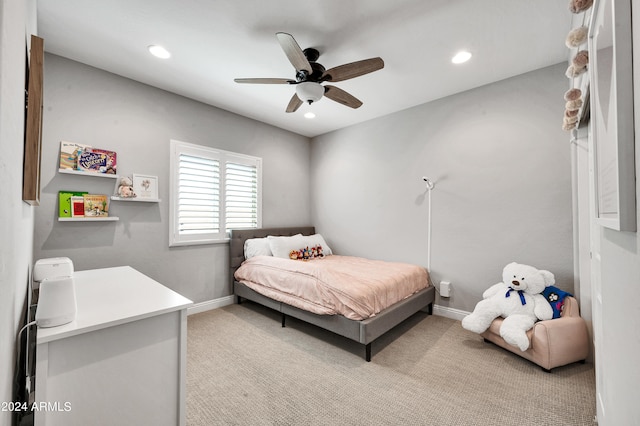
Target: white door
[587,253]
[596,292]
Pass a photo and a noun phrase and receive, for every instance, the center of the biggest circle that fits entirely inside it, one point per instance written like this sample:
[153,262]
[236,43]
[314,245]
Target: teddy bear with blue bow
[518,300]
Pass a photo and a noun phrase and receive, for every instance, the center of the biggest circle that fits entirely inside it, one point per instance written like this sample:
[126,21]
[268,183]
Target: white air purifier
[57,297]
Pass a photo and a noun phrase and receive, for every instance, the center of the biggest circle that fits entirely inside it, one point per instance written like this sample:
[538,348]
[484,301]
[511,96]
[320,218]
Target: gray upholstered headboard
[238,237]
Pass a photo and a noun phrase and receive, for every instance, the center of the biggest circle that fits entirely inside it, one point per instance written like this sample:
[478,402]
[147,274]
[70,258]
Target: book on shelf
[83,157]
[96,160]
[77,206]
[69,154]
[64,202]
[96,205]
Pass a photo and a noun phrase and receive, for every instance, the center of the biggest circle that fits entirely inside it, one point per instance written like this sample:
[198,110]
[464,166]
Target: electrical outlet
[445,288]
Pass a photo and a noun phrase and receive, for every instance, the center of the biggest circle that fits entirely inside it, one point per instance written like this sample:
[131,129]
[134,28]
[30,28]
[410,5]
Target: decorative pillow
[257,247]
[555,297]
[281,246]
[314,241]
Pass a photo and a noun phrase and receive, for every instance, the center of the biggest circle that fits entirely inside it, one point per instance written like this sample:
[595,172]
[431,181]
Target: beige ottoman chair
[554,342]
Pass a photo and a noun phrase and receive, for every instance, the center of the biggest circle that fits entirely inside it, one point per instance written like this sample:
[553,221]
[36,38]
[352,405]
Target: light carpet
[243,368]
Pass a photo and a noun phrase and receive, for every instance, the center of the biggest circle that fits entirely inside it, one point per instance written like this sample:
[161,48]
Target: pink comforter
[354,287]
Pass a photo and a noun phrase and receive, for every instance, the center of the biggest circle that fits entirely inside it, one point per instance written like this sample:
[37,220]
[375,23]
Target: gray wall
[17,19]
[501,164]
[87,105]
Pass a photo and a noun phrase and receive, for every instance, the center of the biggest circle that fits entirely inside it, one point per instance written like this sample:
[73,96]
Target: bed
[363,331]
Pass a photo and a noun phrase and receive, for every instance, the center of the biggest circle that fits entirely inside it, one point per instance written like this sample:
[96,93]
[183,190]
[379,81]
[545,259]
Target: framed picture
[33,124]
[611,85]
[145,186]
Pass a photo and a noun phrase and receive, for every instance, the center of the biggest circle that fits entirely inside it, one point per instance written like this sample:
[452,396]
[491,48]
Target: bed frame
[364,331]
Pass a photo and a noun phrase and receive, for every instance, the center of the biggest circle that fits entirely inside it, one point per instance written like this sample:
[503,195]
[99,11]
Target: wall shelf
[81,173]
[137,199]
[89,219]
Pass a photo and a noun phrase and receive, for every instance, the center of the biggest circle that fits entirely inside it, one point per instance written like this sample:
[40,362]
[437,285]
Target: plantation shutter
[198,195]
[212,192]
[241,196]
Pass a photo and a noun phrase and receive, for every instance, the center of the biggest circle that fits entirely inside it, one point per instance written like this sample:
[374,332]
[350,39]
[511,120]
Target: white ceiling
[214,41]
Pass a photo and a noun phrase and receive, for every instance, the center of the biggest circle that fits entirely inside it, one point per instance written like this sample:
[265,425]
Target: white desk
[122,361]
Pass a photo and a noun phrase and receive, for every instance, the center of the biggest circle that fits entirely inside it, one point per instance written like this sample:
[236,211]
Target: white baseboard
[445,311]
[211,304]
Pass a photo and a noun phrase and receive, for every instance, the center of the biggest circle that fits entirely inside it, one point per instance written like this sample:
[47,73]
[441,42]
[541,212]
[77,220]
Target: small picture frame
[145,186]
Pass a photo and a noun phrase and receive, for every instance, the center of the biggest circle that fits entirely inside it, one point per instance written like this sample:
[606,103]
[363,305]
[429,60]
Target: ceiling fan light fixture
[309,91]
[309,75]
[309,115]
[159,51]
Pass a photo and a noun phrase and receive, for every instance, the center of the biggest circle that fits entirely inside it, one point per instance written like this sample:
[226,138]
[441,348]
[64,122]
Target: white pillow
[257,247]
[281,246]
[315,240]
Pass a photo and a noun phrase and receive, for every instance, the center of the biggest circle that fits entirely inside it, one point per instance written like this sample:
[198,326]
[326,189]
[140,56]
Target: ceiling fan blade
[263,80]
[294,53]
[342,97]
[354,69]
[294,103]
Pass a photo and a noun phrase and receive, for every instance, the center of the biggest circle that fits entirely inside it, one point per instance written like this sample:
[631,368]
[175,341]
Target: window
[212,192]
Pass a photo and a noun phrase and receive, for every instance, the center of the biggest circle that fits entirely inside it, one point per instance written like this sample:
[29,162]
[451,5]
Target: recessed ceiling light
[461,57]
[159,51]
[309,115]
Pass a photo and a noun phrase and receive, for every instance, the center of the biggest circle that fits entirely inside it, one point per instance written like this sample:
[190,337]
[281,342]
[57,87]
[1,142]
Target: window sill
[199,243]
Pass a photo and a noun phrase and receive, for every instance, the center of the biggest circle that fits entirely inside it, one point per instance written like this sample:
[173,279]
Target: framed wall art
[33,123]
[611,85]
[145,186]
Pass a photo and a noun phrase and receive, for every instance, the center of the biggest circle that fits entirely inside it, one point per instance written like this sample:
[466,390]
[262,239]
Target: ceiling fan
[310,74]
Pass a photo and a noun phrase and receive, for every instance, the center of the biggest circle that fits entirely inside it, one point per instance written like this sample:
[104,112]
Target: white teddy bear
[518,300]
